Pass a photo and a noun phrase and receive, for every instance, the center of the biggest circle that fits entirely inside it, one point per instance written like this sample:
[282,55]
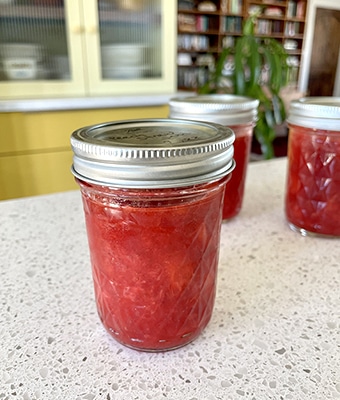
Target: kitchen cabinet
[35,152]
[203,33]
[56,48]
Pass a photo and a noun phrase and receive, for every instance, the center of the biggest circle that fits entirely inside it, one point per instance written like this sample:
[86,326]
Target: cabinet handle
[92,29]
[78,29]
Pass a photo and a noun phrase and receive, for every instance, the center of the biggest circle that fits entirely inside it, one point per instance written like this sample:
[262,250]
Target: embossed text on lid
[152,152]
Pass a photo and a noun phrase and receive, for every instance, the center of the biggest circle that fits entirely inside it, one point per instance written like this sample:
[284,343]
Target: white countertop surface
[274,334]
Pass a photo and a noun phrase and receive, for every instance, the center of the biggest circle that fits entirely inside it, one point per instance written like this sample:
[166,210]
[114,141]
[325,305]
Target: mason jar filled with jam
[237,112]
[312,202]
[152,194]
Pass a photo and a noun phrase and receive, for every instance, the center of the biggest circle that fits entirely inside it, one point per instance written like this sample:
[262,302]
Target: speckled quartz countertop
[274,334]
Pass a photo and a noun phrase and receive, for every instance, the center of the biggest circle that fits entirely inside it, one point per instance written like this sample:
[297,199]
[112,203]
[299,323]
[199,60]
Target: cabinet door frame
[308,40]
[165,84]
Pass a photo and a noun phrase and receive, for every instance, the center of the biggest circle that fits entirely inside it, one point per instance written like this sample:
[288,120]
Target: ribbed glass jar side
[152,193]
[238,113]
[154,255]
[312,200]
[234,193]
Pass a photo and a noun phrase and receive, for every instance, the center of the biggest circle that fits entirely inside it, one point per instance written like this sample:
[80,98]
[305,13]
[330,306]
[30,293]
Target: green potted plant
[260,70]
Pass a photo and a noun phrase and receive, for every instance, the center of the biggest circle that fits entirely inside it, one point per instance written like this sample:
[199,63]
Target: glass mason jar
[152,193]
[237,112]
[312,202]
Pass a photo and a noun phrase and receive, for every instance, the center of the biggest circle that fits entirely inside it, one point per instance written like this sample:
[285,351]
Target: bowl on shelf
[123,55]
[20,68]
[21,61]
[135,72]
[21,50]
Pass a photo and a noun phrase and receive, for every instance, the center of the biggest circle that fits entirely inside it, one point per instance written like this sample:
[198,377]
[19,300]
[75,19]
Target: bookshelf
[204,31]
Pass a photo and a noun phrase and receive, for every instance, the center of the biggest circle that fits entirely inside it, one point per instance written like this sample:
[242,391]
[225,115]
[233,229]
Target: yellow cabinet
[87,47]
[33,174]
[35,153]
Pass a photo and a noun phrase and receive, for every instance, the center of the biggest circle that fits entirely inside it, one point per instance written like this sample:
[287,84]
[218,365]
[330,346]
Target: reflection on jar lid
[152,153]
[316,112]
[225,109]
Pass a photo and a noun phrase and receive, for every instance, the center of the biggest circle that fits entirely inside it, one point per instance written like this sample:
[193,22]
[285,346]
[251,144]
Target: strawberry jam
[154,259]
[313,181]
[240,114]
[235,187]
[152,194]
[313,187]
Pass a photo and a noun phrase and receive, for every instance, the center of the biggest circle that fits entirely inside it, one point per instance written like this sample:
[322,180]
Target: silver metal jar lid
[152,153]
[225,109]
[315,112]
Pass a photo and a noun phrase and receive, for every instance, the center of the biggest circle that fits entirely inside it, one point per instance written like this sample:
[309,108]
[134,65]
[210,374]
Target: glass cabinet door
[39,42]
[53,48]
[131,46]
[33,40]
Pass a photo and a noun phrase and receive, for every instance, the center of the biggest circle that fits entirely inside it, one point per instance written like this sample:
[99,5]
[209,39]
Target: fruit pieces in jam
[313,184]
[154,256]
[235,187]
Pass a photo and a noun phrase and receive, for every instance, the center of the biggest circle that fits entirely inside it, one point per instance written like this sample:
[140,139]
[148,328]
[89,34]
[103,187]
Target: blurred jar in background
[238,113]
[312,201]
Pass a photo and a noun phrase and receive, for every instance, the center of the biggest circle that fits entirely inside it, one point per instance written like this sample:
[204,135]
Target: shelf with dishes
[57,12]
[31,61]
[139,17]
[125,61]
[32,12]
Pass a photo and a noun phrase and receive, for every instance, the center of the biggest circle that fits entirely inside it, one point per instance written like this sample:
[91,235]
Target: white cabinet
[56,48]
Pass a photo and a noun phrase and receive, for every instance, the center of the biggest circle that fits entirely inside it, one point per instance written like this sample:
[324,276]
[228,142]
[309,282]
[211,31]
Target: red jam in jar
[153,211]
[240,114]
[313,181]
[235,187]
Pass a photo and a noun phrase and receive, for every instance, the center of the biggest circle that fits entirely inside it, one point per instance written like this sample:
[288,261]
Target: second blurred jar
[237,112]
[312,202]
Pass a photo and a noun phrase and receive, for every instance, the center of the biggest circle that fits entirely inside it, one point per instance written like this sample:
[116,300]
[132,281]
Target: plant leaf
[251,56]
[254,62]
[264,135]
[239,73]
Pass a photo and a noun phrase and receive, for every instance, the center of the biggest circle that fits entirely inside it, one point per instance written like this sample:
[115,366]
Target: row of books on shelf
[200,23]
[296,9]
[268,27]
[191,78]
[193,42]
[193,23]
[292,28]
[232,24]
[232,6]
